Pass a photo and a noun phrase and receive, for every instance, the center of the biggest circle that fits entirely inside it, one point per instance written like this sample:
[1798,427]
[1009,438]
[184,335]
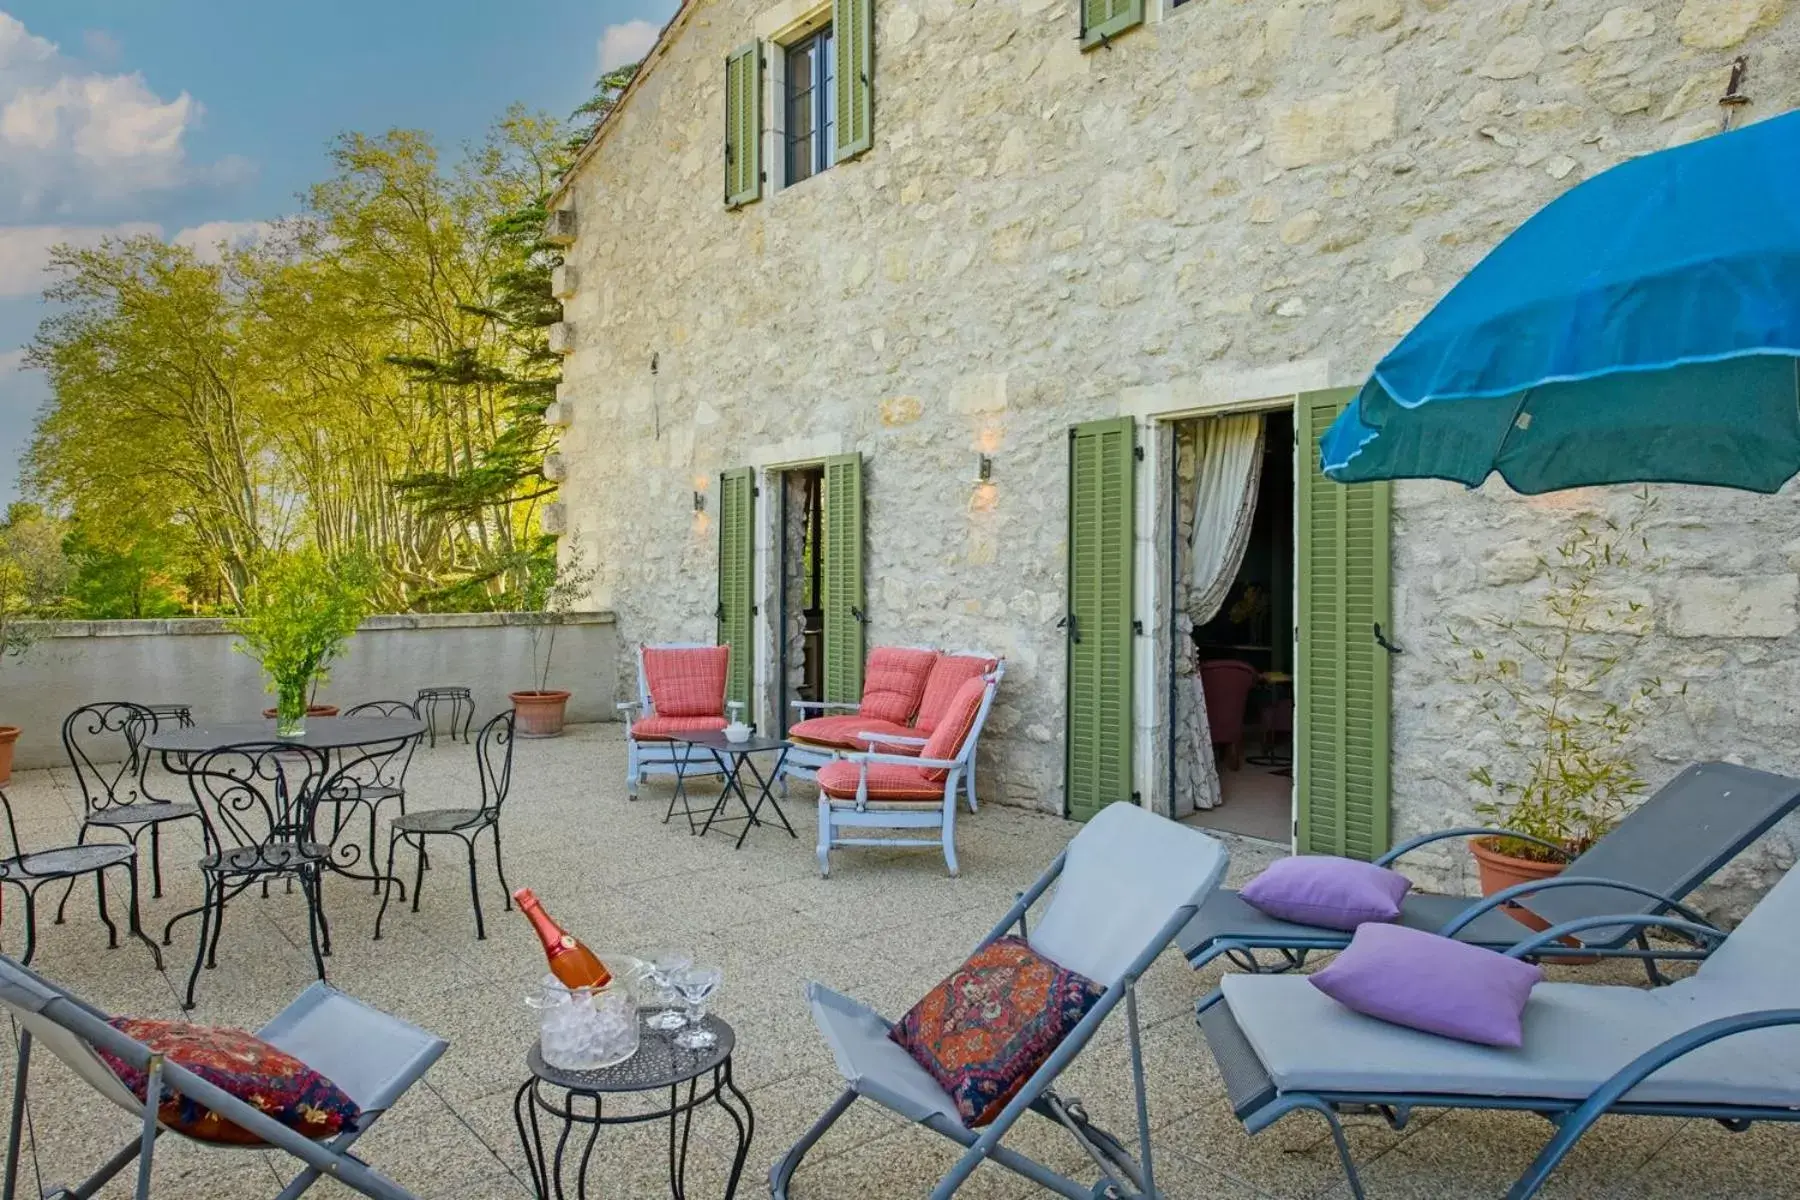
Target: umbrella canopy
[1643,327]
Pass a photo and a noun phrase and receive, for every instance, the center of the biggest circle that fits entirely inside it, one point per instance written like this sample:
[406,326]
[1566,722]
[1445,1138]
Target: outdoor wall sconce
[984,468]
[699,502]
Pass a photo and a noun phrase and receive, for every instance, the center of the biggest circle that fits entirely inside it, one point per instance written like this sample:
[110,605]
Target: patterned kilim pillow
[249,1068]
[983,1031]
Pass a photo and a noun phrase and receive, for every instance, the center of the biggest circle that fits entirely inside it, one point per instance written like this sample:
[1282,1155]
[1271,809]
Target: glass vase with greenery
[298,613]
[1555,681]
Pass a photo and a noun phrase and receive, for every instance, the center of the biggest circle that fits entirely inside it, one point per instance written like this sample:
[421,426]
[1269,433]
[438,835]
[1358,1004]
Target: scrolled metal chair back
[493,761]
[384,764]
[105,745]
[256,794]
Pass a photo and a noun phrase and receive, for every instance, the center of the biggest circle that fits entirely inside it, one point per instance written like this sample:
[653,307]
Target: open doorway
[1232,702]
[801,640]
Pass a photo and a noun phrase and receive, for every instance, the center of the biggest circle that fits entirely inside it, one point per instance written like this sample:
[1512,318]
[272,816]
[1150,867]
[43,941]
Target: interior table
[732,759]
[572,1098]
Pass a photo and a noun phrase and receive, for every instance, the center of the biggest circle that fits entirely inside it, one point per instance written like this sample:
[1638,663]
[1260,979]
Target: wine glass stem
[695,1014]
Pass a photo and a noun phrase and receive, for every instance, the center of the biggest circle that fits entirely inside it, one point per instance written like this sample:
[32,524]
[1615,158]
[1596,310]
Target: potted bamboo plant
[1558,689]
[298,615]
[553,591]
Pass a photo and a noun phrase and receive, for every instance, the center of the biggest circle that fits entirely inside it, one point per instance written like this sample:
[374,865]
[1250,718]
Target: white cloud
[210,241]
[102,45]
[25,250]
[627,42]
[70,136]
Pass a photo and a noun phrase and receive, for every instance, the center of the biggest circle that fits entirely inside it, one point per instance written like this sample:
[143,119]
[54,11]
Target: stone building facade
[1238,201]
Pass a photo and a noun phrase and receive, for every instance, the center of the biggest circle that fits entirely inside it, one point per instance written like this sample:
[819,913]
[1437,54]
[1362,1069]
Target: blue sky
[196,119]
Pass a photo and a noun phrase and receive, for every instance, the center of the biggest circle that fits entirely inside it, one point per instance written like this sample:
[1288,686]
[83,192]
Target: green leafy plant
[34,575]
[1553,680]
[553,591]
[298,613]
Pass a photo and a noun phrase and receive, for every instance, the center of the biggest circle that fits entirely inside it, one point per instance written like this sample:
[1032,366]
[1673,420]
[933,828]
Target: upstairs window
[810,116]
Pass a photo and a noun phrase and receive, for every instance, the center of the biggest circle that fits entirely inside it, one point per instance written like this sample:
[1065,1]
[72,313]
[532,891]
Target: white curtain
[1228,472]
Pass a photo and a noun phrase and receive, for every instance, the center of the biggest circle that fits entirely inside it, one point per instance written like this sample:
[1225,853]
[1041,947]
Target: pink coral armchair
[681,689]
[1225,684]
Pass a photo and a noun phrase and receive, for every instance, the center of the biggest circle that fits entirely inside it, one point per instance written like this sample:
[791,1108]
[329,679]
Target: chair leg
[419,873]
[500,869]
[112,931]
[30,925]
[633,769]
[475,893]
[206,911]
[137,925]
[387,884]
[948,833]
[374,885]
[824,838]
[312,887]
[156,860]
[218,927]
[15,1137]
[782,1173]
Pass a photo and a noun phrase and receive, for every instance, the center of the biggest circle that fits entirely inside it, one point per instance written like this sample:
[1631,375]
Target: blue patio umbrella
[1643,327]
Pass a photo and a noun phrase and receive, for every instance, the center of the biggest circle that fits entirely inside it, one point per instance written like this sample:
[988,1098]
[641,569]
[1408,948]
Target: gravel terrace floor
[887,925]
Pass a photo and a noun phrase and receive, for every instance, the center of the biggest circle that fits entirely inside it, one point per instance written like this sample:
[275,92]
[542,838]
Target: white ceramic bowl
[737,732]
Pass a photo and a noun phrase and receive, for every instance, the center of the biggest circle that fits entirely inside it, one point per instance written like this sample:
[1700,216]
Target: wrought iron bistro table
[567,1099]
[732,759]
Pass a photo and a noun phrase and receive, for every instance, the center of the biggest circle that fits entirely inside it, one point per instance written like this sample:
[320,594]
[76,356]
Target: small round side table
[461,702]
[565,1100]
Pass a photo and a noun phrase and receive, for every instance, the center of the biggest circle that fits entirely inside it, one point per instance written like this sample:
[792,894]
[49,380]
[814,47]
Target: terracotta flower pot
[312,710]
[1500,871]
[8,735]
[539,714]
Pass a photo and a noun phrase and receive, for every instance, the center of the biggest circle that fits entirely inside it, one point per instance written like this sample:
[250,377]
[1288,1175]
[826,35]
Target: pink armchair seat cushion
[947,739]
[948,674]
[838,732]
[887,781]
[661,728]
[687,682]
[895,682]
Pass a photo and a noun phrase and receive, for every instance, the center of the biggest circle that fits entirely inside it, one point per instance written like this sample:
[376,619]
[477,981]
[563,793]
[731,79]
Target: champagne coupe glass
[697,985]
[665,966]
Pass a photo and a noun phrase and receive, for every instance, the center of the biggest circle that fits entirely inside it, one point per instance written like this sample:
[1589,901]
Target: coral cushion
[887,781]
[948,675]
[839,732]
[659,727]
[946,741]
[1334,893]
[983,1031]
[247,1067]
[687,682]
[1436,984]
[894,682]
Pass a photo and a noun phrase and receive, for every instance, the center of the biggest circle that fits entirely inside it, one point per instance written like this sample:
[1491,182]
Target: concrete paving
[884,927]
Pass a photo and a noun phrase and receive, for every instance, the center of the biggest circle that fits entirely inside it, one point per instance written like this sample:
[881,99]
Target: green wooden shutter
[1343,711]
[843,579]
[743,125]
[1102,461]
[1104,19]
[737,547]
[853,45]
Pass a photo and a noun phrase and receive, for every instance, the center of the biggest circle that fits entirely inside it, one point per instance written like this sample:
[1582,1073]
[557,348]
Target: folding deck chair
[1658,854]
[371,1056]
[1722,1045]
[1125,884]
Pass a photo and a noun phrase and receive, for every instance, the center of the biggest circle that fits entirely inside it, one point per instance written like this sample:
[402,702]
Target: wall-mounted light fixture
[699,502]
[984,468]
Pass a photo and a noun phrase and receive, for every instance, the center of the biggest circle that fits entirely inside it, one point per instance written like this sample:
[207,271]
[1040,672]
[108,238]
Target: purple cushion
[1436,984]
[1333,893]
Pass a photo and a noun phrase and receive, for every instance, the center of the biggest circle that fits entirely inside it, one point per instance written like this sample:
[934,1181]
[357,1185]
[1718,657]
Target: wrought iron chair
[257,805]
[493,772]
[104,743]
[29,871]
[368,776]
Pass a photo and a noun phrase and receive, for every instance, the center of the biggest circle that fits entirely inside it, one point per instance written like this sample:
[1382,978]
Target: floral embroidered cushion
[275,1082]
[983,1031]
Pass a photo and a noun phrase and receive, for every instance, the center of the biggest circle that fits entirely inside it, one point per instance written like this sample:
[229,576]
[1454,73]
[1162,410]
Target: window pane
[827,98]
[802,59]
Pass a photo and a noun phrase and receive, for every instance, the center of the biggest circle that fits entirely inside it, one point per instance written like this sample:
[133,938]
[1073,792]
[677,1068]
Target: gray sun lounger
[373,1057]
[1648,863]
[1124,885]
[1723,1045]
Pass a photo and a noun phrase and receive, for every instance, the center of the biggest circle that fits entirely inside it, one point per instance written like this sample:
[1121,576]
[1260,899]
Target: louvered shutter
[743,125]
[737,542]
[1343,687]
[1102,19]
[853,45]
[843,579]
[1102,461]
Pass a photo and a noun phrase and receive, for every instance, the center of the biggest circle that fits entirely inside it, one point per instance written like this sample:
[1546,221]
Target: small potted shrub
[1556,690]
[552,593]
[298,614]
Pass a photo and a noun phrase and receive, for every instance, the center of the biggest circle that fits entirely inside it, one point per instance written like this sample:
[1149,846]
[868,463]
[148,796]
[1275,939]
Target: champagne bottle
[571,962]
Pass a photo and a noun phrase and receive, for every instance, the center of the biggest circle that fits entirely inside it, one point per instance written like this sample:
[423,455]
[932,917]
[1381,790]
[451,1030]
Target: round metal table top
[658,1063]
[322,733]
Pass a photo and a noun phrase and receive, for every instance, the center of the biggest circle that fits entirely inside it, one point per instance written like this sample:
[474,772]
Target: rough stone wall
[1242,184]
[1189,736]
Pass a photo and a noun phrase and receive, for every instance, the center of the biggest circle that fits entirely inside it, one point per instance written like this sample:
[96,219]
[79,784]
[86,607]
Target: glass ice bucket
[585,1029]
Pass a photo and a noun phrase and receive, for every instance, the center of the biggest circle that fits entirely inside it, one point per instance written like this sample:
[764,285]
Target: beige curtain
[1228,472]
